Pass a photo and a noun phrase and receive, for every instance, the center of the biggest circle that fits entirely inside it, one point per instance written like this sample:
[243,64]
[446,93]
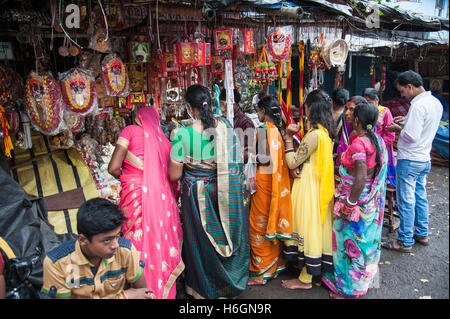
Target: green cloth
[188,141]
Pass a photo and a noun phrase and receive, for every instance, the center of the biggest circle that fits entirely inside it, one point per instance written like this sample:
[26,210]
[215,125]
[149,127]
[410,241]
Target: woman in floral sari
[206,156]
[359,208]
[271,206]
[147,199]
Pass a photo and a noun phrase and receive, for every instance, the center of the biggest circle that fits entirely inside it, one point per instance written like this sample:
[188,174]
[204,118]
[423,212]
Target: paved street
[423,273]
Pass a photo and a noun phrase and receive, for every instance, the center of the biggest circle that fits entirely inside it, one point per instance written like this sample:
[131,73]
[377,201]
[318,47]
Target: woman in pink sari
[148,200]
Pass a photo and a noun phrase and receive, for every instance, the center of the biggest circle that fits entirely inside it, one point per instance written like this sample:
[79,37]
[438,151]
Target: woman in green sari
[207,158]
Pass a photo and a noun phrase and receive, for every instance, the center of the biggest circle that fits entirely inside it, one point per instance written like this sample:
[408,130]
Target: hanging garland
[43,97]
[279,41]
[115,76]
[78,91]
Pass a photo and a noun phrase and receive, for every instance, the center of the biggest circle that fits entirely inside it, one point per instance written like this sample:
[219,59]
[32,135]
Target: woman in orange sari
[271,206]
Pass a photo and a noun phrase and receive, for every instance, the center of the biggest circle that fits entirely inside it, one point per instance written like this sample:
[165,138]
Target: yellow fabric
[4,126]
[27,178]
[325,170]
[313,227]
[6,249]
[304,276]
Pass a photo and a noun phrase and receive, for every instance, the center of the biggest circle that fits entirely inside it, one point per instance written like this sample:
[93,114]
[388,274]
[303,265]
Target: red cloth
[360,149]
[398,106]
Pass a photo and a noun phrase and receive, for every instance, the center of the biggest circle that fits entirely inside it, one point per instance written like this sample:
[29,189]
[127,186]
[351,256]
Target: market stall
[73,75]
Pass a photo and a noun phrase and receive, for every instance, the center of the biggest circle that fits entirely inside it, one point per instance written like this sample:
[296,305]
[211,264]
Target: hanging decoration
[301,50]
[136,77]
[74,122]
[265,70]
[186,52]
[218,64]
[279,42]
[115,76]
[202,53]
[168,63]
[289,87]
[44,103]
[223,39]
[4,127]
[247,41]
[78,91]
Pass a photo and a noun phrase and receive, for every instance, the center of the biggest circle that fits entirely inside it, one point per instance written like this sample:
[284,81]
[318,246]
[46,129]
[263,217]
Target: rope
[106,22]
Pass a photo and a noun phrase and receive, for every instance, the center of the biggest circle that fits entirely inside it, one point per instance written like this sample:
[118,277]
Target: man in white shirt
[414,161]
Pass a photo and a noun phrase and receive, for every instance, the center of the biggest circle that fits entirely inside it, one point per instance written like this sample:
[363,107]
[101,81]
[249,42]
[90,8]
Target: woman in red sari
[148,200]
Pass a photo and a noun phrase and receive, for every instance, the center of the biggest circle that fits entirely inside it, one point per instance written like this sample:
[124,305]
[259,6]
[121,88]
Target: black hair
[409,77]
[371,93]
[271,106]
[340,96]
[367,114]
[320,111]
[223,96]
[199,98]
[97,216]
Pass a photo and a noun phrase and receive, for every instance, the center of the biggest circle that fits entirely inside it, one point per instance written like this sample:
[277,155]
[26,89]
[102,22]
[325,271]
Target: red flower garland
[87,106]
[50,103]
[287,45]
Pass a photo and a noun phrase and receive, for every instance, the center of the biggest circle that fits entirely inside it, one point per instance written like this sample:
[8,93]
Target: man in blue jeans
[413,160]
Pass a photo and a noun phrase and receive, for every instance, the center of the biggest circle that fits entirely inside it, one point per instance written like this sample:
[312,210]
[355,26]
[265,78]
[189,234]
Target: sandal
[422,240]
[391,246]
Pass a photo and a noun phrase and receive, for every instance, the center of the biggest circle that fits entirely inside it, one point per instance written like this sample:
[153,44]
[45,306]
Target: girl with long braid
[205,156]
[271,206]
[359,208]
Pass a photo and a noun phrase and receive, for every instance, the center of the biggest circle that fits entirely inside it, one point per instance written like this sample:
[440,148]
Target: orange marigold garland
[78,91]
[43,103]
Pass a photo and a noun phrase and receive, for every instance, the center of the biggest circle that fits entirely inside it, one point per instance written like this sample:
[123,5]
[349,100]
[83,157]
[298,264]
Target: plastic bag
[279,41]
[78,91]
[115,76]
[250,173]
[44,103]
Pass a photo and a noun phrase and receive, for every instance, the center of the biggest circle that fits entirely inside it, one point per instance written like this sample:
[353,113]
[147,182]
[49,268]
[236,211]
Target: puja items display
[115,76]
[44,103]
[316,56]
[223,39]
[104,127]
[265,70]
[279,41]
[247,43]
[78,91]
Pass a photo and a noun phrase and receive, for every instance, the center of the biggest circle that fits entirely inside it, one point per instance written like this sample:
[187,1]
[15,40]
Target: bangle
[349,202]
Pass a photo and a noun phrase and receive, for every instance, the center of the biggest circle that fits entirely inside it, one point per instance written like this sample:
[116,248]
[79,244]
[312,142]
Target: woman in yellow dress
[312,193]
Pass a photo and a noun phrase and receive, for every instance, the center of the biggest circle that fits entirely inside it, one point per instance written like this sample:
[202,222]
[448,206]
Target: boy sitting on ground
[99,263]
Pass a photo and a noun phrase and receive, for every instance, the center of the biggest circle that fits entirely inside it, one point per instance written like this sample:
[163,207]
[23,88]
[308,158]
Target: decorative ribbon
[301,61]
[280,87]
[289,87]
[4,125]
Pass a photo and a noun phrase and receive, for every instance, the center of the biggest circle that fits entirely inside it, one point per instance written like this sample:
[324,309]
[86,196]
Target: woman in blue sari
[207,158]
[359,208]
